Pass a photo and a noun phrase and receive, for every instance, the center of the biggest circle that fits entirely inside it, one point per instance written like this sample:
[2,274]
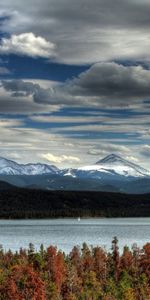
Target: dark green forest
[30,203]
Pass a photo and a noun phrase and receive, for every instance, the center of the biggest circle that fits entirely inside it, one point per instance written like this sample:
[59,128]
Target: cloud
[84,31]
[66,119]
[4,123]
[110,84]
[27,44]
[21,88]
[145,150]
[29,144]
[105,149]
[102,85]
[52,95]
[95,33]
[59,159]
[21,106]
[19,96]
[108,148]
[132,158]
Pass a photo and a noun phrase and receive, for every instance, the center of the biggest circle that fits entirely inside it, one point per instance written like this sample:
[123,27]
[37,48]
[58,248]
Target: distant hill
[32,203]
[6,186]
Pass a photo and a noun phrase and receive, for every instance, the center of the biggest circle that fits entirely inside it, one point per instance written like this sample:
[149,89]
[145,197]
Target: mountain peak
[110,159]
[122,165]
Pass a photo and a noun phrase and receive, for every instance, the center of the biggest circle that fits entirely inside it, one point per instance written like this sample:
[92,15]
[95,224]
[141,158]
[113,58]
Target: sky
[75,81]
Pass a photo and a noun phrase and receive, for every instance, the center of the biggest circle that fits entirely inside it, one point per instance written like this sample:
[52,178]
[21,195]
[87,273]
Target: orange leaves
[126,261]
[23,283]
[147,250]
[100,264]
[89,273]
[56,266]
[145,260]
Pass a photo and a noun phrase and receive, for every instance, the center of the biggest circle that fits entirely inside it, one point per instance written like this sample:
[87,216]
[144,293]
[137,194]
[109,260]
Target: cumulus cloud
[61,158]
[22,96]
[111,82]
[103,84]
[21,88]
[27,44]
[52,95]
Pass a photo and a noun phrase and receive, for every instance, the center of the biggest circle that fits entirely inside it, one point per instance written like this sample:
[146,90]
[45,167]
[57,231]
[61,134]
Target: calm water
[65,233]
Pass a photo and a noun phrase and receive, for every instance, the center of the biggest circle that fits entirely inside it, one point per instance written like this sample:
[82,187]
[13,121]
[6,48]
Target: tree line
[86,273]
[31,203]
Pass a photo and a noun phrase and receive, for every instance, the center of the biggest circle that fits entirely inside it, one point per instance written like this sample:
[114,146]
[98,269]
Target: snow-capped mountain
[9,167]
[111,173]
[112,165]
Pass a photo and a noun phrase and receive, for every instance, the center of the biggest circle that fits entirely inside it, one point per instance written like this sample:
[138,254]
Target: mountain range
[112,173]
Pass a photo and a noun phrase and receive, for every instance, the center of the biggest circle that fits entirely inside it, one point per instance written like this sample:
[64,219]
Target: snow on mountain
[112,165]
[69,172]
[8,167]
[111,173]
[122,166]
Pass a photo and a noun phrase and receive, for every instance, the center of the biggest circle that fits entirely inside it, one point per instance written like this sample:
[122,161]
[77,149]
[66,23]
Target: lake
[65,233]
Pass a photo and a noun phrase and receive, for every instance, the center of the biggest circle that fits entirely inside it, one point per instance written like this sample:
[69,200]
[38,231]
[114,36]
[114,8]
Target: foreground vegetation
[31,203]
[84,274]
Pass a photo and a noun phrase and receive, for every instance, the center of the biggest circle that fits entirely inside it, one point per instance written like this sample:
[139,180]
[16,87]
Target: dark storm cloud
[17,86]
[112,83]
[22,97]
[20,88]
[45,96]
[104,84]
[20,106]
